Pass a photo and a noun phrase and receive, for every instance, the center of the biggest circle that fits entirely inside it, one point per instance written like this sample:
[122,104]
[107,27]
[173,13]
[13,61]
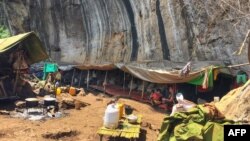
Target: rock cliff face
[97,31]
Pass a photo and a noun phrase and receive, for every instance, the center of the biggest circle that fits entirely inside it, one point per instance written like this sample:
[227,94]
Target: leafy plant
[4,32]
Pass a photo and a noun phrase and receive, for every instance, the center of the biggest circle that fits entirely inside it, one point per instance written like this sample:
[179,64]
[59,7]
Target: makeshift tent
[201,74]
[28,41]
[27,46]
[163,72]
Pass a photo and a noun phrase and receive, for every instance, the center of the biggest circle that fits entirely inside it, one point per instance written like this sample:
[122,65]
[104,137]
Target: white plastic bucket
[111,117]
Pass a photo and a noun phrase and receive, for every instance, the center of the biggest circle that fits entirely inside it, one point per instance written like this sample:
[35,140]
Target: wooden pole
[17,74]
[248,50]
[233,66]
[72,79]
[143,85]
[88,80]
[105,81]
[124,79]
[79,84]
[131,85]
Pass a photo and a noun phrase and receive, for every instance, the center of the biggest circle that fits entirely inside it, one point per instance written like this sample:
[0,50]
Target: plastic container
[50,67]
[58,91]
[72,91]
[111,117]
[132,118]
[120,107]
[216,99]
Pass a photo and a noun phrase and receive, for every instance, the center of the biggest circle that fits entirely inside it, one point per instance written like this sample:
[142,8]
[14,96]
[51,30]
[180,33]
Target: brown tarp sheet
[159,76]
[163,72]
[108,66]
[167,72]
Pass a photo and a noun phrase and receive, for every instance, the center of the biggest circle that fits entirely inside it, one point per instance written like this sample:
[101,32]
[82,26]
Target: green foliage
[4,32]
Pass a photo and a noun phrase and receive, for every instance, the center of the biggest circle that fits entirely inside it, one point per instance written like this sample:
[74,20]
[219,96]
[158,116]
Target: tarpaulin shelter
[170,72]
[155,74]
[28,50]
[27,41]
[162,72]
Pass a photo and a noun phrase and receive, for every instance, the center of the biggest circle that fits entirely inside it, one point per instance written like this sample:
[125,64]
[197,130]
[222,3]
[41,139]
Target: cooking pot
[128,110]
[49,101]
[132,118]
[31,102]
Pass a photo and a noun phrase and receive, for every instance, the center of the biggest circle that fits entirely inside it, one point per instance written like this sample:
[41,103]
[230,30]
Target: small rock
[81,92]
[67,103]
[102,95]
[151,126]
[20,104]
[78,105]
[144,124]
[4,112]
[99,99]
[68,100]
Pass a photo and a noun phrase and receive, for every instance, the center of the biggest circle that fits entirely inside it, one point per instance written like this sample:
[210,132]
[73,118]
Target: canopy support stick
[72,79]
[88,80]
[124,77]
[105,82]
[80,79]
[131,85]
[143,85]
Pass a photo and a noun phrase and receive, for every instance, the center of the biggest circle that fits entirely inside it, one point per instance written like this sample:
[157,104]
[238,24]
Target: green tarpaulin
[195,125]
[200,79]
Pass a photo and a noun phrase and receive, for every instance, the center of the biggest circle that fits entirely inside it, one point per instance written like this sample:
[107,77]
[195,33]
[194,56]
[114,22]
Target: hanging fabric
[216,73]
[20,62]
[241,78]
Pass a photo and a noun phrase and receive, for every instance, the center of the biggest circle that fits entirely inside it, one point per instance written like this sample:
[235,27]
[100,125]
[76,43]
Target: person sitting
[156,97]
[58,77]
[169,101]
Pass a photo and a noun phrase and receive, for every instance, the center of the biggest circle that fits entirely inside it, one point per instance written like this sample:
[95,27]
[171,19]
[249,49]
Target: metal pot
[31,102]
[49,101]
[128,110]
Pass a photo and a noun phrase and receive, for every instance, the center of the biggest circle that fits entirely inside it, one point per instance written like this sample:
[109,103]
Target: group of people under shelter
[163,96]
[172,100]
[157,98]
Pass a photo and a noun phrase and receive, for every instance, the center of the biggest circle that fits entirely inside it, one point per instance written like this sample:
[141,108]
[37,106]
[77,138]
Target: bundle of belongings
[182,104]
[201,123]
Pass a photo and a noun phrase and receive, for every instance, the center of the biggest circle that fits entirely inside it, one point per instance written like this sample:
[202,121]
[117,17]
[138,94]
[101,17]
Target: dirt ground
[81,124]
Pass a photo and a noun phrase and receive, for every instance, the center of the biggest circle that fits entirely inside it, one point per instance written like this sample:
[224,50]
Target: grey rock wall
[98,31]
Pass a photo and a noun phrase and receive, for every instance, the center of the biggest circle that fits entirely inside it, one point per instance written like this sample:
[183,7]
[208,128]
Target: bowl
[132,118]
